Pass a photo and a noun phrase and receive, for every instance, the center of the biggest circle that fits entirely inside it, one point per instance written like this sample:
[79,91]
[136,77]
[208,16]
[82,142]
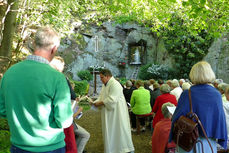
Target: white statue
[137,57]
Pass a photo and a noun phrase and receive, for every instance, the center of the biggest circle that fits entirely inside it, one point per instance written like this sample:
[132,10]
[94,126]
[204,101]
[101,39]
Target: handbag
[185,131]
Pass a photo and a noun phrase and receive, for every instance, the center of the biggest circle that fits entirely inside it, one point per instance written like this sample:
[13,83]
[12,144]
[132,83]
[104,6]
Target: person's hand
[153,114]
[77,99]
[98,103]
[80,109]
[78,112]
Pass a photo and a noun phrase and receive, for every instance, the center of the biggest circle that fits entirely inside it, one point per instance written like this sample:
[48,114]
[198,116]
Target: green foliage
[158,71]
[85,75]
[85,107]
[5,141]
[143,73]
[4,124]
[123,81]
[4,137]
[185,47]
[198,14]
[81,87]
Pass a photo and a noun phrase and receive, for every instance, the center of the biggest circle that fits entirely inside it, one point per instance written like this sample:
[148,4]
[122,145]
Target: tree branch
[3,20]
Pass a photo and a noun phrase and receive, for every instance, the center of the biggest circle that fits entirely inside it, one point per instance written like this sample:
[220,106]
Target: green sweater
[140,101]
[35,99]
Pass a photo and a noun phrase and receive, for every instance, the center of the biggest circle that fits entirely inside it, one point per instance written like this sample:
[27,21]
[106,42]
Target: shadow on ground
[92,123]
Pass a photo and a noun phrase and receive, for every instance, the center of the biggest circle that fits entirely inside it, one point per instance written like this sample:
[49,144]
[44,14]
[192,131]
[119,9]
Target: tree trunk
[8,33]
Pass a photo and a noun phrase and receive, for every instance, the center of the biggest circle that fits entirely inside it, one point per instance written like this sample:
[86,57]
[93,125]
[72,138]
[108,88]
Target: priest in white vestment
[114,114]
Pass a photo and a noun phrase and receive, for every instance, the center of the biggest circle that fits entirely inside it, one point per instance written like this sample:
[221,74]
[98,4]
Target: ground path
[92,123]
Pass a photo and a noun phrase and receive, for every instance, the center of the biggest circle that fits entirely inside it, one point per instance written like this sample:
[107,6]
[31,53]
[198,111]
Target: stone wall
[113,42]
[218,57]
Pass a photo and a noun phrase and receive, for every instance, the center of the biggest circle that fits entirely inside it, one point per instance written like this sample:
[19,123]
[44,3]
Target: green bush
[4,141]
[85,75]
[81,87]
[123,81]
[143,74]
[158,71]
[4,136]
[4,124]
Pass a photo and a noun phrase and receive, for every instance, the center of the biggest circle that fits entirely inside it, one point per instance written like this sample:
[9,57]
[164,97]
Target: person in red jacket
[161,132]
[164,98]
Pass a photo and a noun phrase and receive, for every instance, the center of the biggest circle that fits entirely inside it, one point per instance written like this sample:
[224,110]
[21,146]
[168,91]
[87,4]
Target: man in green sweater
[35,99]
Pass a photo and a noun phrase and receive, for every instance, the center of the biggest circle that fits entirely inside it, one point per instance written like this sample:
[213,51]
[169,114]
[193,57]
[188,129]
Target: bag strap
[197,119]
[190,100]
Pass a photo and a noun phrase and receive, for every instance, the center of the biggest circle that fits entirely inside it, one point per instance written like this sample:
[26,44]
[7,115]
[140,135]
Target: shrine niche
[137,53]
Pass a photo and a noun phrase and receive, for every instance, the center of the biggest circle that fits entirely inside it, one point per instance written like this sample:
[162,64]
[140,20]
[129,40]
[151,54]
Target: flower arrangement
[85,100]
[122,64]
[158,71]
[95,68]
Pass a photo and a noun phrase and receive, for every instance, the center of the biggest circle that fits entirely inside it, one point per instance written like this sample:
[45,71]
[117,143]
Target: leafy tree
[197,16]
[7,30]
[186,48]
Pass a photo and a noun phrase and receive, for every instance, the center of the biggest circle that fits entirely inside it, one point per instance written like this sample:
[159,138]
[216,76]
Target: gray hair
[156,85]
[165,110]
[147,83]
[186,86]
[202,73]
[139,83]
[222,87]
[57,63]
[46,38]
[175,83]
[105,72]
[128,83]
[165,88]
[218,81]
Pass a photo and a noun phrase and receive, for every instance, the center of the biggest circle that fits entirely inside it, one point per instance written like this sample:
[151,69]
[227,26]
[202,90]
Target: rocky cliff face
[108,45]
[218,57]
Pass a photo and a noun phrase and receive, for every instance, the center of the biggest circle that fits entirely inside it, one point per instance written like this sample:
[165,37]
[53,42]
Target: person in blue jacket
[207,104]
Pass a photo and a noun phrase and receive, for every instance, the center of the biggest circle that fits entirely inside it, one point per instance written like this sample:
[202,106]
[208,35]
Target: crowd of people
[36,98]
[210,102]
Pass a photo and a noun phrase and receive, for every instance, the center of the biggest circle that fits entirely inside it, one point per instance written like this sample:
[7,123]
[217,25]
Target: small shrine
[137,53]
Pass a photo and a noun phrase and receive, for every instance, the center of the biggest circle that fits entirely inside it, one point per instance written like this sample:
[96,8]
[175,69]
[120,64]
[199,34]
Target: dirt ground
[92,123]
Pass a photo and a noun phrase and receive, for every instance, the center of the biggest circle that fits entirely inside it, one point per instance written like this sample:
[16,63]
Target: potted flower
[122,64]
